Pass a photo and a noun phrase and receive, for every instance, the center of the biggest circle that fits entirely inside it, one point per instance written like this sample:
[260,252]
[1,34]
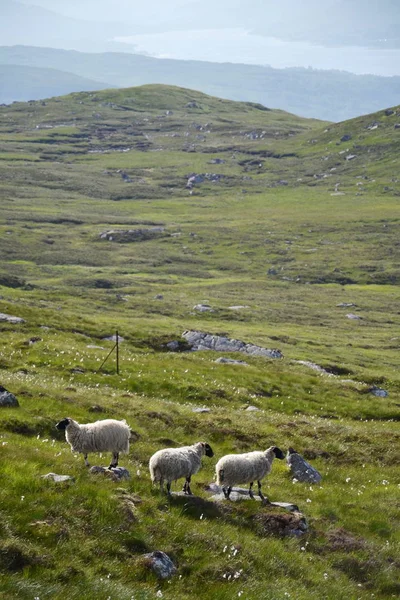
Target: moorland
[126,209]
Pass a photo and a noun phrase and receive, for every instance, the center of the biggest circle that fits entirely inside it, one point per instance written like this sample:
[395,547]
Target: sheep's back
[108,435]
[174,463]
[234,469]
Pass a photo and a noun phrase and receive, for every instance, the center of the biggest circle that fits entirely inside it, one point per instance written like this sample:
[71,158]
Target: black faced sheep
[234,469]
[171,464]
[107,435]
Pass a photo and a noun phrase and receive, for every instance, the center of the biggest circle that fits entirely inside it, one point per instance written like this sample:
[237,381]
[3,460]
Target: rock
[346,304]
[11,318]
[354,317]
[397,126]
[379,392]
[389,112]
[251,408]
[161,564]
[230,361]
[312,365]
[345,138]
[94,347]
[7,398]
[217,161]
[203,308]
[173,346]
[192,104]
[58,478]
[301,469]
[238,494]
[201,410]
[351,156]
[113,338]
[114,473]
[238,307]
[272,272]
[158,297]
[126,236]
[206,341]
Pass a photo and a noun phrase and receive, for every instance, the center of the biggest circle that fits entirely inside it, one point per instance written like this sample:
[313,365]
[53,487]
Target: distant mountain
[34,83]
[33,25]
[327,95]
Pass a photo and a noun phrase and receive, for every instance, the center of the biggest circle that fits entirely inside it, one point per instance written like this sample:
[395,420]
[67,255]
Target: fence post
[117,345]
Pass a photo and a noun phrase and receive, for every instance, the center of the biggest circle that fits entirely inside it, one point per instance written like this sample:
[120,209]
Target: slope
[127,209]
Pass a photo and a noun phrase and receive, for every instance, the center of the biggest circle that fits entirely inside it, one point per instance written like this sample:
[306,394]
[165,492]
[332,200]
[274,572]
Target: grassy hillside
[331,95]
[288,233]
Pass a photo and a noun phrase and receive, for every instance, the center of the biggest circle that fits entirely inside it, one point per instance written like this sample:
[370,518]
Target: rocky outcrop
[198,340]
[125,236]
[11,318]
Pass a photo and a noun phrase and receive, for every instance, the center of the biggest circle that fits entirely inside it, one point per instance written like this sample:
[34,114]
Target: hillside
[18,83]
[157,210]
[328,95]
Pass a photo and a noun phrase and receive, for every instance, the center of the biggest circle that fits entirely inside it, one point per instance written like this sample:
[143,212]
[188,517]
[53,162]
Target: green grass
[289,254]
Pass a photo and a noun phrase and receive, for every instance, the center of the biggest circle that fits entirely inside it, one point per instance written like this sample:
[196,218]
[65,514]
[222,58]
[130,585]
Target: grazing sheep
[234,469]
[107,435]
[171,464]
[301,469]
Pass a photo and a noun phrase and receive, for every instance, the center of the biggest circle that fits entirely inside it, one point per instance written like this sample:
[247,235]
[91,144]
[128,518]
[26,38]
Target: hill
[158,210]
[18,83]
[328,95]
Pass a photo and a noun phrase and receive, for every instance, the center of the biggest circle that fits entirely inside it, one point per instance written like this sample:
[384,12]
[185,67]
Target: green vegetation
[289,231]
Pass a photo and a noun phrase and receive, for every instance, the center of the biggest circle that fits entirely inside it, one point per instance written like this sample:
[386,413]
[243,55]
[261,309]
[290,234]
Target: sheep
[233,469]
[107,435]
[171,464]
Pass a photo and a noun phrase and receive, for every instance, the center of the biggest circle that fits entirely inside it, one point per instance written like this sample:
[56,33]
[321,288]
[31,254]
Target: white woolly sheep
[107,435]
[171,464]
[234,469]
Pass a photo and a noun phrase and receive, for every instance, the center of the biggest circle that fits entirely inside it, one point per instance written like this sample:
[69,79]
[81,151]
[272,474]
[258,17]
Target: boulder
[300,469]
[161,564]
[7,398]
[58,478]
[114,473]
[11,318]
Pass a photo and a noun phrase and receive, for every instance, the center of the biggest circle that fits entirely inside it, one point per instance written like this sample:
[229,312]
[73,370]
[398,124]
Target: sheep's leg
[187,484]
[251,490]
[86,460]
[114,462]
[263,498]
[227,491]
[169,488]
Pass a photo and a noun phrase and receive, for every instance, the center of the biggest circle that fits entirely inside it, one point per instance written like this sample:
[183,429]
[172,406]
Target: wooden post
[117,346]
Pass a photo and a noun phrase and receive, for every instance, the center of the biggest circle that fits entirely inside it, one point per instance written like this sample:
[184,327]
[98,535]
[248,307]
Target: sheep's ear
[63,424]
[278,452]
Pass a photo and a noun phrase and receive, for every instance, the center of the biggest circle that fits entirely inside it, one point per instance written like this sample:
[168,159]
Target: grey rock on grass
[7,398]
[300,469]
[161,564]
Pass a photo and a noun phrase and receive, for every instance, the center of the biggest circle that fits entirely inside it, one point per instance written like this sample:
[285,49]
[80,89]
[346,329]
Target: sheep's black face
[62,425]
[278,453]
[208,450]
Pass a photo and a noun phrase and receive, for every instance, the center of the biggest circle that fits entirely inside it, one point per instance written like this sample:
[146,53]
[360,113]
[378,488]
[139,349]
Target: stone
[300,469]
[206,341]
[113,338]
[125,236]
[201,410]
[203,308]
[114,473]
[354,317]
[346,304]
[251,408]
[379,392]
[7,398]
[345,138]
[230,361]
[161,564]
[158,297]
[173,346]
[11,319]
[389,112]
[58,478]
[238,307]
[351,156]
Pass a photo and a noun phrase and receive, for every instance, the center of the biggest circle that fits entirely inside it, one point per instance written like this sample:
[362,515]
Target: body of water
[241,46]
